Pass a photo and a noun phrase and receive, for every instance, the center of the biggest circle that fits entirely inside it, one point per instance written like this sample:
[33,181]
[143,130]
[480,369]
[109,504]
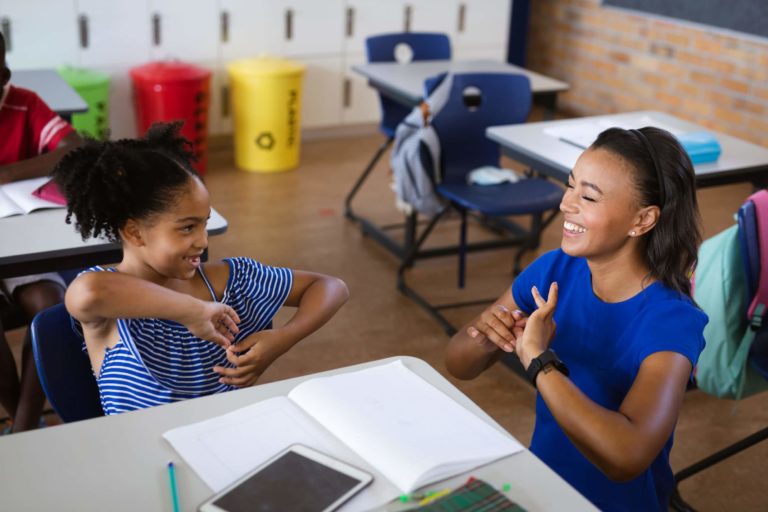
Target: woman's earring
[631,233]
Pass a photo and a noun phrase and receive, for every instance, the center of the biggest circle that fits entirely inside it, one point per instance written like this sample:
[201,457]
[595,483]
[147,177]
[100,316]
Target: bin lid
[169,71]
[82,78]
[265,66]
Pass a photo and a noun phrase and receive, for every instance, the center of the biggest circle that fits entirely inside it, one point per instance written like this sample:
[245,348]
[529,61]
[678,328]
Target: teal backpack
[731,287]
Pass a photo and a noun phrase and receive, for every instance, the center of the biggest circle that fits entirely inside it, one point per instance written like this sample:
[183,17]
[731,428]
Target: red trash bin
[171,91]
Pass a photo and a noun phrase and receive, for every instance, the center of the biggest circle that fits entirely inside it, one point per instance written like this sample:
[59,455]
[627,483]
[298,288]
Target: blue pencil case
[702,147]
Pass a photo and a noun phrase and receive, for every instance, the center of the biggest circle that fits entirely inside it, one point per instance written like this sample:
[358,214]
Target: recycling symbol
[265,140]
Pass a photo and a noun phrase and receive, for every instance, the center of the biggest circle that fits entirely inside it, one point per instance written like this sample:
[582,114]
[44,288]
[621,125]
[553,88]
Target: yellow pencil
[435,496]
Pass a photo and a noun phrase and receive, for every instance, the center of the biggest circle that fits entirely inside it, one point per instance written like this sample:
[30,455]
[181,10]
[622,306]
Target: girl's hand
[498,327]
[216,322]
[251,357]
[540,328]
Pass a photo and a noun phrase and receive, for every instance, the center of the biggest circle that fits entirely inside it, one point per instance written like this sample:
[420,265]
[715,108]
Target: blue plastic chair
[381,48]
[62,366]
[477,101]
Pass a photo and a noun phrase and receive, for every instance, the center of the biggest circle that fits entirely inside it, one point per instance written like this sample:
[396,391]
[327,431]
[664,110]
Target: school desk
[42,242]
[53,90]
[120,462]
[538,146]
[404,83]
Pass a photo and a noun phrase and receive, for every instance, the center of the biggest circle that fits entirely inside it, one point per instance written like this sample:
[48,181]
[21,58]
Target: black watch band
[538,363]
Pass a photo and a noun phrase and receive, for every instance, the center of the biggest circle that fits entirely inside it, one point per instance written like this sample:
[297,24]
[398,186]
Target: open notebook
[385,419]
[17,198]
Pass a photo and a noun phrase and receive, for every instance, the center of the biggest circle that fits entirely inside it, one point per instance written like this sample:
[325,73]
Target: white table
[119,462]
[530,144]
[53,90]
[404,83]
[42,242]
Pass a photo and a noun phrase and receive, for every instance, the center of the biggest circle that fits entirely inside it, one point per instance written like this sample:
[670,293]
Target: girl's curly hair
[108,182]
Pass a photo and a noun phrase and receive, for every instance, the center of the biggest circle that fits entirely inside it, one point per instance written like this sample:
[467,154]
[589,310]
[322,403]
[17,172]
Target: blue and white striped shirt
[159,361]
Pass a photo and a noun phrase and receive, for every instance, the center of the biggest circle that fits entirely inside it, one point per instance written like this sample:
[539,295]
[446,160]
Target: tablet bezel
[364,478]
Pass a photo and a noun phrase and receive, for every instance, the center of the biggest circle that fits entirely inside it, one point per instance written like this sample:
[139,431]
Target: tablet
[299,478]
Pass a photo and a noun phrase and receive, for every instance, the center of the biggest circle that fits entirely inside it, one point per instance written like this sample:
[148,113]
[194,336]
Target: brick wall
[618,61]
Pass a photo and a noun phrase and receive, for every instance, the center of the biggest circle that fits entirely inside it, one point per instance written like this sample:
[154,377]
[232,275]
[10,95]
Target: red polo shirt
[28,127]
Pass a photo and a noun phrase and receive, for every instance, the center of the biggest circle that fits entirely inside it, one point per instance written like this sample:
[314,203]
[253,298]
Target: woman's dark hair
[108,182]
[664,177]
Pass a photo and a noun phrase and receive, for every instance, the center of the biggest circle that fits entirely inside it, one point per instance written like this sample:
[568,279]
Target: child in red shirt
[33,139]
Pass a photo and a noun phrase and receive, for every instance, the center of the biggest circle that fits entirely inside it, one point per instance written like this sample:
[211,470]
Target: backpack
[415,156]
[732,289]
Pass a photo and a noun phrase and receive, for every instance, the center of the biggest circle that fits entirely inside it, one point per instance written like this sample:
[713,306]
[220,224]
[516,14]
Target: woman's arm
[623,443]
[482,341]
[317,297]
[95,297]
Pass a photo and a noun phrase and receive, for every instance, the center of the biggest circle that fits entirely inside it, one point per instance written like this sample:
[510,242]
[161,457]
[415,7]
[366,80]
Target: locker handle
[347,92]
[407,18]
[224,26]
[350,21]
[82,22]
[156,29]
[288,24]
[462,16]
[5,28]
[224,101]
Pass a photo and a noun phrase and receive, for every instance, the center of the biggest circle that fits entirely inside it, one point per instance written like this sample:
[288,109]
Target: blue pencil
[172,482]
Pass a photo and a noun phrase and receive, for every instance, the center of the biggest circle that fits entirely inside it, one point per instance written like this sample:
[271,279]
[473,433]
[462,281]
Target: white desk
[43,242]
[119,462]
[530,144]
[53,90]
[404,83]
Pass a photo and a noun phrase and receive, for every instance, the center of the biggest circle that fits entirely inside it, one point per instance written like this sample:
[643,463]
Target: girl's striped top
[159,361]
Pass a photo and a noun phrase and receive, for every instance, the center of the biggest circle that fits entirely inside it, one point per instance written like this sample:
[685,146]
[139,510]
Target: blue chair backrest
[62,366]
[477,101]
[423,45]
[749,246]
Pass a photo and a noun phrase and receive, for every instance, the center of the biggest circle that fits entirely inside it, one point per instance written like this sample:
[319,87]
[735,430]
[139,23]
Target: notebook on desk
[385,419]
[18,198]
[583,134]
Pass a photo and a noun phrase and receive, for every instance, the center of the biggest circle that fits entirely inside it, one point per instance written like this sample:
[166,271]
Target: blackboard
[748,16]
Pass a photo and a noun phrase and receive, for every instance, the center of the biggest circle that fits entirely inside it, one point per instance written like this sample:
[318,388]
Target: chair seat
[534,195]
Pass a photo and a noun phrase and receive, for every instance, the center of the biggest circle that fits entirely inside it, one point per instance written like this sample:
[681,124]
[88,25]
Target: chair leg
[676,502]
[462,248]
[364,176]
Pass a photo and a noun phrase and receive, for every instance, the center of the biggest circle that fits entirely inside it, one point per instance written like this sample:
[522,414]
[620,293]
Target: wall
[617,60]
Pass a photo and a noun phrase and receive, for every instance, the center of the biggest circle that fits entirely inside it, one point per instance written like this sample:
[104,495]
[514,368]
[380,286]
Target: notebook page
[8,207]
[403,426]
[222,449]
[20,193]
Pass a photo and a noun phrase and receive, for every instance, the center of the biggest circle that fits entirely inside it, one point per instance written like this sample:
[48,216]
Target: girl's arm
[482,341]
[623,443]
[96,297]
[317,297]
[40,165]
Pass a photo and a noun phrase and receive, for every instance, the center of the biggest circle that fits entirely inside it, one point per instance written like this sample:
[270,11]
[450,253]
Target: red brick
[703,78]
[727,115]
[735,85]
[667,99]
[750,106]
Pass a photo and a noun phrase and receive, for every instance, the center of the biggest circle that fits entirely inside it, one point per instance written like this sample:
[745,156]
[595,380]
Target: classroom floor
[296,219]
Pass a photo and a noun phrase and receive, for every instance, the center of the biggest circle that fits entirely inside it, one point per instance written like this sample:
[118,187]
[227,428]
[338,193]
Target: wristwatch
[538,363]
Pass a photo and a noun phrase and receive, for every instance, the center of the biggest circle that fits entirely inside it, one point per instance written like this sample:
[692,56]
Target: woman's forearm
[467,357]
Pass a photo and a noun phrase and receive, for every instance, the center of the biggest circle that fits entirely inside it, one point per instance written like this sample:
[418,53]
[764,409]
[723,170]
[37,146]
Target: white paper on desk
[16,198]
[384,419]
[584,133]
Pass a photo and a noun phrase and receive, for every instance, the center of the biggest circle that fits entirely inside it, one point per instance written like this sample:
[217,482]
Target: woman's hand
[251,357]
[540,327]
[498,327]
[215,322]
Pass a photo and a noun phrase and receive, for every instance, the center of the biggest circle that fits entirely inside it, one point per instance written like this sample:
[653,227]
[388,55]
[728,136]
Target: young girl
[628,333]
[161,326]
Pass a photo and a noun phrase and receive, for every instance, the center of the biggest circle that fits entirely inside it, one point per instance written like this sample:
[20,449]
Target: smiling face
[600,208]
[169,244]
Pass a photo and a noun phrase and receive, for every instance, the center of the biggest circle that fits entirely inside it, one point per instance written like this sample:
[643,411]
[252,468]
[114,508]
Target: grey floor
[296,219]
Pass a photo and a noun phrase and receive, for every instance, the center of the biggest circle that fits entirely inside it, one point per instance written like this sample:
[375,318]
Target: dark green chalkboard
[748,16]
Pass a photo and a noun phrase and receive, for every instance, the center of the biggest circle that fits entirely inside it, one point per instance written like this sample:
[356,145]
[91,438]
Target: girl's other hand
[498,327]
[540,328]
[251,357]
[216,322]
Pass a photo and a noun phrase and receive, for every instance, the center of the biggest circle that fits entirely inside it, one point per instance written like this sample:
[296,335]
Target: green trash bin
[94,89]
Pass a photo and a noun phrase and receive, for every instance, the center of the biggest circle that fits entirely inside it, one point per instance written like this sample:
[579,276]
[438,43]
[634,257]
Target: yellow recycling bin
[266,102]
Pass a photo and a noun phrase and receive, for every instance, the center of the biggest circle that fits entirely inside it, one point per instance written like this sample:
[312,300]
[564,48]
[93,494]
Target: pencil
[172,482]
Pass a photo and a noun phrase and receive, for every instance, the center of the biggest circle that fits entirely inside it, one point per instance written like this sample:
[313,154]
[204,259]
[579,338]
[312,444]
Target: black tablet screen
[292,482]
